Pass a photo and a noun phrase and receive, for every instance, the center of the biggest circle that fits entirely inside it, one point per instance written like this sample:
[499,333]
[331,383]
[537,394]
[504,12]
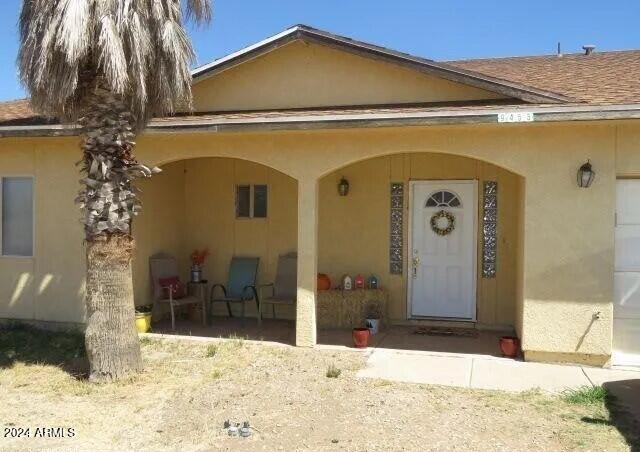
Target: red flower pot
[361,337]
[509,345]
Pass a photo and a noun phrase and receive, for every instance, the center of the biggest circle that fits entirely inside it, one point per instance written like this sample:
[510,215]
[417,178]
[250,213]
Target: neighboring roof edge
[442,70]
[481,115]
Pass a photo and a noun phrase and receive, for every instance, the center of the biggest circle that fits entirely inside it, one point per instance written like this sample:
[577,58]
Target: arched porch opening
[372,231]
[193,204]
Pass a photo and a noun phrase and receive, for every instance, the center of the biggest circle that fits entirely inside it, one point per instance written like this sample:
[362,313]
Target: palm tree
[109,66]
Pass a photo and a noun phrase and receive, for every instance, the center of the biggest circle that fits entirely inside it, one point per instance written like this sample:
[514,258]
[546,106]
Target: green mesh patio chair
[284,289]
[241,286]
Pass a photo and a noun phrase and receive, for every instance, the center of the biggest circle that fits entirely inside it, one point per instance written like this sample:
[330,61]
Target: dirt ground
[188,390]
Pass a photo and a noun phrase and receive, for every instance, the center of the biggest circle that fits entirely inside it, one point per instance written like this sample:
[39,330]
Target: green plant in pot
[143,318]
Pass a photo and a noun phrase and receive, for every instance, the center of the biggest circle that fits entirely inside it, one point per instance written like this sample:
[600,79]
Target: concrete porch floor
[397,354]
[283,331]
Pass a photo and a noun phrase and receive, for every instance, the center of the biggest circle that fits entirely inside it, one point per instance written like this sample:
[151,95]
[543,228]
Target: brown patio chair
[284,289]
[241,285]
[164,268]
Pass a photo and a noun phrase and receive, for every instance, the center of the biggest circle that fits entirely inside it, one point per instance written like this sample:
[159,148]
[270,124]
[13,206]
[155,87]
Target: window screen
[17,216]
[251,201]
[243,201]
[259,201]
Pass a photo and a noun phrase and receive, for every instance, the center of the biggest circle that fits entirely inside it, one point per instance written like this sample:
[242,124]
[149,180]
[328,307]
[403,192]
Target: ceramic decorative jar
[359,282]
[372,282]
[196,273]
[198,258]
[347,283]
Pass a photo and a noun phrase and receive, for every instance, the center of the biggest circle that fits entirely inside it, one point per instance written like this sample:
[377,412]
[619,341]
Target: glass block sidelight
[397,189]
[395,254]
[396,268]
[490,229]
[489,270]
[395,230]
[490,216]
[490,201]
[396,240]
[490,188]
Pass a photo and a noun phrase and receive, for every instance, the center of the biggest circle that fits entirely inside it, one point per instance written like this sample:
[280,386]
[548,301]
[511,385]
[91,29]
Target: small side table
[199,290]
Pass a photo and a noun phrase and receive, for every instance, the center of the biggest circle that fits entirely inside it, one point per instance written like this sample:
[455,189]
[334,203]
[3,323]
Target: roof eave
[341,121]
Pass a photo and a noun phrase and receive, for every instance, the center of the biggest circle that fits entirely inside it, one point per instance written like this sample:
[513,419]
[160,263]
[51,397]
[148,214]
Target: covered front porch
[397,337]
[195,204]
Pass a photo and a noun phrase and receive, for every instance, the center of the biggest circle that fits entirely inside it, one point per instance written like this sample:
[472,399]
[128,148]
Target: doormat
[447,332]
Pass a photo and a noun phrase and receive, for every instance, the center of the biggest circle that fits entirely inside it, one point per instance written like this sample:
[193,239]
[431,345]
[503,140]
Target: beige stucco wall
[568,232]
[310,75]
[160,227]
[197,199]
[567,248]
[191,205]
[211,220]
[50,285]
[354,230]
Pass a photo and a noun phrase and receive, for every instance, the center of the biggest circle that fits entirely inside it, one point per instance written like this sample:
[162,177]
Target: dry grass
[333,371]
[188,390]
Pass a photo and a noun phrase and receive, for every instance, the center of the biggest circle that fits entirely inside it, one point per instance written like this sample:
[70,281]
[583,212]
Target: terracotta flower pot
[324,283]
[509,345]
[361,337]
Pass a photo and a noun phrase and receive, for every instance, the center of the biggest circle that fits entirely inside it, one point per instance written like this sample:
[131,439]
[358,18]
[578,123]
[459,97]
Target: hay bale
[348,308]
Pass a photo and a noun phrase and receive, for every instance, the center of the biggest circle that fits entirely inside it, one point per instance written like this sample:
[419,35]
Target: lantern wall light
[586,175]
[343,187]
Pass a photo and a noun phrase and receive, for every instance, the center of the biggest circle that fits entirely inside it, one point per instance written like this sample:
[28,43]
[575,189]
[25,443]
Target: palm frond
[199,10]
[137,48]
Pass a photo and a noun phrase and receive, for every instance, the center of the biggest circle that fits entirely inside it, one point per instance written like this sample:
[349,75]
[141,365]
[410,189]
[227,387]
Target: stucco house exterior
[464,197]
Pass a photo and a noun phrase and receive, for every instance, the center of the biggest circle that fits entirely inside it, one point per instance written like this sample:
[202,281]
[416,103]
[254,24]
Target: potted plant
[509,345]
[361,337]
[143,318]
[197,261]
[373,317]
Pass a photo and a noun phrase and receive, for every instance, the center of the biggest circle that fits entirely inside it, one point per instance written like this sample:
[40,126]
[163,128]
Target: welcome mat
[447,332]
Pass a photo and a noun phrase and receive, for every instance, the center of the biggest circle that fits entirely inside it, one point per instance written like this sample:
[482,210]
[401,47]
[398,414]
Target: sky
[436,29]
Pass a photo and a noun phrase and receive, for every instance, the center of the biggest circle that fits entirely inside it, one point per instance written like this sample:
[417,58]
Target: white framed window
[252,201]
[17,222]
[443,198]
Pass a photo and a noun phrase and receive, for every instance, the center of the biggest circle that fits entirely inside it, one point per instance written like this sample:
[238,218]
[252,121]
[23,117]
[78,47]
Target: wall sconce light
[343,187]
[586,174]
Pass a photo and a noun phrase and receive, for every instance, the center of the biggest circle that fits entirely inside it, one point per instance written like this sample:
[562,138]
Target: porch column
[307,262]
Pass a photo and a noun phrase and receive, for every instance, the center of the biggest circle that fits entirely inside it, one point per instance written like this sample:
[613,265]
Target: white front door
[626,308]
[442,260]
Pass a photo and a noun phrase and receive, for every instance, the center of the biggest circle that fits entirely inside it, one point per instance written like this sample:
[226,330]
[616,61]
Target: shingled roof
[598,78]
[16,111]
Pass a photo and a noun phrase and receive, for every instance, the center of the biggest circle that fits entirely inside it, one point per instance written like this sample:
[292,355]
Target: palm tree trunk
[109,202]
[112,344]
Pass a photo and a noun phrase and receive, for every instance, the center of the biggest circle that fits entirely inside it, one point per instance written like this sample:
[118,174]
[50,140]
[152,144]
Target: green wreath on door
[451,223]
